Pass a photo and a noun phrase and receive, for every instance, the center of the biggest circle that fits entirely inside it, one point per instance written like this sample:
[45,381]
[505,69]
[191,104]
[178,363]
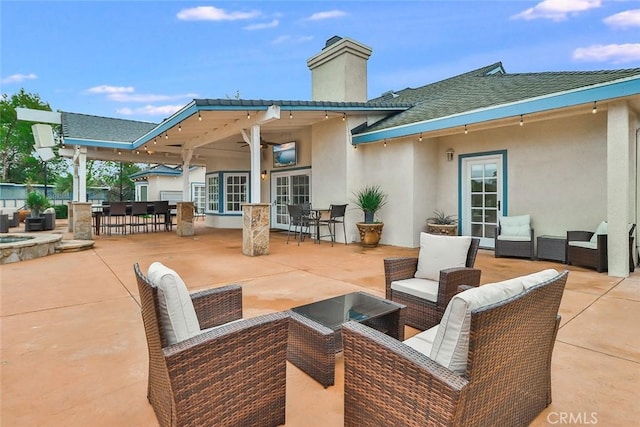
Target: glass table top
[357,306]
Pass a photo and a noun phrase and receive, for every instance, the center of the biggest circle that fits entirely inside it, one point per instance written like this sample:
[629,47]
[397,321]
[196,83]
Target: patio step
[74,245]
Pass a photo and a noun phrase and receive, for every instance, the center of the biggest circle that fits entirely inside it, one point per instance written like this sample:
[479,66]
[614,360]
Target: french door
[482,196]
[288,187]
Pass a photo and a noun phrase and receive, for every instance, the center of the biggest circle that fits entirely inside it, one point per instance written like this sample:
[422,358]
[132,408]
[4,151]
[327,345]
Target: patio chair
[298,222]
[207,366]
[116,217]
[514,237]
[426,284]
[162,216]
[336,216]
[139,217]
[488,362]
[589,248]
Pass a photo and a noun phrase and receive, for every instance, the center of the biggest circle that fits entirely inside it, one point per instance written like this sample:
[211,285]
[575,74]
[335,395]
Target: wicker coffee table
[315,330]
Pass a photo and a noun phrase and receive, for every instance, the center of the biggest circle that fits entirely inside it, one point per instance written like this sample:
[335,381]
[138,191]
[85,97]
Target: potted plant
[370,199]
[440,223]
[36,202]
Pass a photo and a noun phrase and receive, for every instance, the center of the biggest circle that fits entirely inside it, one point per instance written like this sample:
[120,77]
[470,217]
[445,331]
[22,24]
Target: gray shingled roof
[244,103]
[83,126]
[485,87]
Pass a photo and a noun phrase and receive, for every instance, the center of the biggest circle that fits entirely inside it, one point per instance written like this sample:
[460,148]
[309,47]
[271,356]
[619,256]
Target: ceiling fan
[263,143]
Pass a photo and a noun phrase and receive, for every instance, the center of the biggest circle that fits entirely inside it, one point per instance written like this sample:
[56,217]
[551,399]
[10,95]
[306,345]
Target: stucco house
[164,182]
[560,146]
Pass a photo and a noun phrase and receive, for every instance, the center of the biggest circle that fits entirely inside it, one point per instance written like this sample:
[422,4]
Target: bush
[62,211]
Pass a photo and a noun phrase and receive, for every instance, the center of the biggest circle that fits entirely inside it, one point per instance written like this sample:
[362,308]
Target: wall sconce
[449,154]
[263,175]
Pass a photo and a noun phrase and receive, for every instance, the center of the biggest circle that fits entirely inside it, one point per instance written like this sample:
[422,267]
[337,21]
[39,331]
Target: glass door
[290,187]
[482,197]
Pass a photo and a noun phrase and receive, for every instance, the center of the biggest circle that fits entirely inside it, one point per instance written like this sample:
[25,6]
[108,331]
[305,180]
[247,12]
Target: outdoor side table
[315,330]
[34,224]
[552,248]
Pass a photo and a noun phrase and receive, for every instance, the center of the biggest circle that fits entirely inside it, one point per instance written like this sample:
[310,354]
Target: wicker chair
[589,249]
[514,237]
[231,375]
[505,381]
[421,313]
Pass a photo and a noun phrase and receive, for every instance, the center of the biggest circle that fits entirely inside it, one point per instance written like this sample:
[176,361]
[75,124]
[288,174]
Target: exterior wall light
[450,154]
[263,175]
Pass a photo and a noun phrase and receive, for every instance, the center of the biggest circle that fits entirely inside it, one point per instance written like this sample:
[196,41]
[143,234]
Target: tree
[19,162]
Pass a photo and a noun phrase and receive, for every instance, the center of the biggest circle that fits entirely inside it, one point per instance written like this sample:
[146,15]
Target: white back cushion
[177,315]
[440,252]
[601,229]
[451,344]
[519,225]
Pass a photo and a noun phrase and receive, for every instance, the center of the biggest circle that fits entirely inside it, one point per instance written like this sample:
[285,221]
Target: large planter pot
[370,233]
[443,229]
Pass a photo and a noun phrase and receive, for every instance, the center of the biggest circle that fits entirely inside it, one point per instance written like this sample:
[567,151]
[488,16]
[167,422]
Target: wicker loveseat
[488,363]
[589,248]
[230,373]
[426,295]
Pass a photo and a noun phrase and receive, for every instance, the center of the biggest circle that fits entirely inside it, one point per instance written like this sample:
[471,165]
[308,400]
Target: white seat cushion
[526,238]
[440,252]
[421,288]
[177,314]
[513,226]
[451,344]
[601,229]
[588,245]
[423,342]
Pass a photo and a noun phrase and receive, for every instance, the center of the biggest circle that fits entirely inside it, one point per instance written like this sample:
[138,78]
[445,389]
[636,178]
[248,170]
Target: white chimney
[339,71]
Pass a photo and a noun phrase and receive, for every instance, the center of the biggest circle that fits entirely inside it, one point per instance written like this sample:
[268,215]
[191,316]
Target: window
[227,191]
[236,192]
[213,193]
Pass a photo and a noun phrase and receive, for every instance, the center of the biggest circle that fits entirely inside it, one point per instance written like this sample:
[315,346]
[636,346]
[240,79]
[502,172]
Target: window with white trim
[236,191]
[213,193]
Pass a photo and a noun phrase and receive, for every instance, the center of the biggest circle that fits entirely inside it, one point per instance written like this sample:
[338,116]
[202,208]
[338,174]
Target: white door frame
[279,215]
[490,201]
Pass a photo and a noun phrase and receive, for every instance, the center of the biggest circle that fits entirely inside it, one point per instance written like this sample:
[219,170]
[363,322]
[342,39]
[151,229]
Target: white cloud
[615,53]
[557,10]
[263,26]
[150,110]
[330,14]
[18,78]
[291,39]
[111,89]
[628,18]
[211,13]
[148,97]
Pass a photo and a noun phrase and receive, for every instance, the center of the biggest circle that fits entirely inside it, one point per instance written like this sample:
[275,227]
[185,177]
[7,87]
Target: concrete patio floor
[73,350]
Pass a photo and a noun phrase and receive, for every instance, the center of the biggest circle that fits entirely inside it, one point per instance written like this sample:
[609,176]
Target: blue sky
[143,60]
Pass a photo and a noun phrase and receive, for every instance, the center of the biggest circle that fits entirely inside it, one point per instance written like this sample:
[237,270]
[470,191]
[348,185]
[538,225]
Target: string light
[248,115]
[466,131]
[344,116]
[595,107]
[521,120]
[420,138]
[179,127]
[326,115]
[146,148]
[290,115]
[199,116]
[166,135]
[385,142]
[155,141]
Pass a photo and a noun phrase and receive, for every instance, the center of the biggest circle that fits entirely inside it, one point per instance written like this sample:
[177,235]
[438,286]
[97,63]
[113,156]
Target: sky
[144,60]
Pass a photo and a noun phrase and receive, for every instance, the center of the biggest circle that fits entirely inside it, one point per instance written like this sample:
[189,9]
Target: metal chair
[161,215]
[336,216]
[298,222]
[116,217]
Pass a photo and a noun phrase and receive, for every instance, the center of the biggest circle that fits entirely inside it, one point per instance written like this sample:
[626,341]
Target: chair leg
[344,232]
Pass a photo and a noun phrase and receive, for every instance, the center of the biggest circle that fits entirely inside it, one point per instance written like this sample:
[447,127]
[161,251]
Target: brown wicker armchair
[506,381]
[589,249]
[232,375]
[421,313]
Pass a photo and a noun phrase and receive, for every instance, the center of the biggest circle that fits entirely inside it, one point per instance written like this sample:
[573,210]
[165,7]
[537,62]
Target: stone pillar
[70,216]
[184,219]
[82,221]
[255,229]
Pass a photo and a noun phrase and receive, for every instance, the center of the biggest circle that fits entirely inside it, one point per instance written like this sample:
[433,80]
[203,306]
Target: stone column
[184,219]
[70,216]
[82,221]
[255,229]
